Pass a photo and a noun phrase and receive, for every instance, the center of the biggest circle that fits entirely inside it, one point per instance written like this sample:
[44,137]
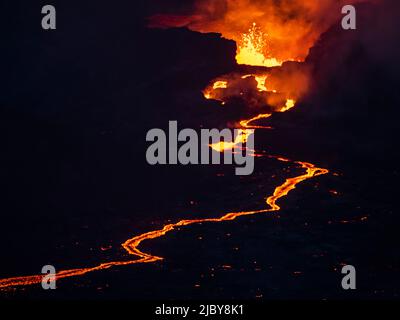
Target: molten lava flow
[246,123]
[132,245]
[260,78]
[290,103]
[272,87]
[293,27]
[261,82]
[220,85]
[241,138]
[250,87]
[266,32]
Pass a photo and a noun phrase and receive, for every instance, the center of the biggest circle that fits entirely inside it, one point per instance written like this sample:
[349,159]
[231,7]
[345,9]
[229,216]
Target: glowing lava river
[132,245]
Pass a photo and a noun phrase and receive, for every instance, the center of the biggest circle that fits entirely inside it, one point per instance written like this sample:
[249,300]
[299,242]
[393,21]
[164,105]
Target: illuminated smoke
[267,32]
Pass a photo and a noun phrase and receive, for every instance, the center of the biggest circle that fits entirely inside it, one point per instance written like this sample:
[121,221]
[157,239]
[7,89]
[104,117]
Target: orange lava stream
[246,123]
[290,103]
[132,245]
[242,137]
[251,51]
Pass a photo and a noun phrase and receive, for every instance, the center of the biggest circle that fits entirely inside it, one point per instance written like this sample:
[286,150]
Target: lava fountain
[268,35]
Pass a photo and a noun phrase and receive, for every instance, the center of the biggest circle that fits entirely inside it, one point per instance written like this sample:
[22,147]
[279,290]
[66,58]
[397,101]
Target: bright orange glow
[220,85]
[251,49]
[266,32]
[246,123]
[207,95]
[239,139]
[261,82]
[260,78]
[279,100]
[290,103]
[211,92]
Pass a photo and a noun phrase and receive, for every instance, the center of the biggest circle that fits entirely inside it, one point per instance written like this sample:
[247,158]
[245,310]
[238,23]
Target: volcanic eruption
[273,38]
